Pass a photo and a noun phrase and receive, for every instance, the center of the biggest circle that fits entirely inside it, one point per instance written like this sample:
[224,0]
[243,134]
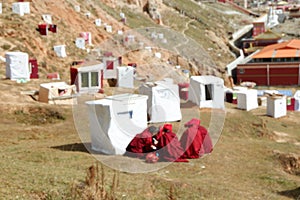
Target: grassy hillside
[46,160]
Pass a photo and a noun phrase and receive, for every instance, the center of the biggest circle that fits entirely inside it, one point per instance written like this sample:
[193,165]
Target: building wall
[269,74]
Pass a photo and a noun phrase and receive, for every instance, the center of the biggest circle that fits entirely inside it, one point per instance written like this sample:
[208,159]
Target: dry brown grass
[95,187]
[46,162]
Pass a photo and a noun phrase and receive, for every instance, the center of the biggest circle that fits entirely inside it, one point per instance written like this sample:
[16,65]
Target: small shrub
[6,47]
[36,116]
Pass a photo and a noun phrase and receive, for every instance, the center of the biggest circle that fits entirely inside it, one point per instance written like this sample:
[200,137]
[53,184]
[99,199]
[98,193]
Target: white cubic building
[60,50]
[125,76]
[21,8]
[247,99]
[163,102]
[276,106]
[115,120]
[207,91]
[17,66]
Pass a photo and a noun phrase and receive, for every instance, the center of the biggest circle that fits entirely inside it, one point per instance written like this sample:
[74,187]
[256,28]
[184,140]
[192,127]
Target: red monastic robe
[140,145]
[195,140]
[169,148]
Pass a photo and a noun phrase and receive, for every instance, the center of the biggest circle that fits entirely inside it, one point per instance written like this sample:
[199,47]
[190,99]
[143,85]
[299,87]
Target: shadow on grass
[295,193]
[81,147]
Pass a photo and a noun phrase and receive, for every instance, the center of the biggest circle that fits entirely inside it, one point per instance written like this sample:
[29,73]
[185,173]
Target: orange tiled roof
[286,49]
[286,53]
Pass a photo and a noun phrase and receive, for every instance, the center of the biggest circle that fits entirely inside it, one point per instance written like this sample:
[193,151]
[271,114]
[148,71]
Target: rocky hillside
[209,24]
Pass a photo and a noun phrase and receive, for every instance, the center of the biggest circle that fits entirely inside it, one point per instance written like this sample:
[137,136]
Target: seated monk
[169,148]
[142,143]
[195,140]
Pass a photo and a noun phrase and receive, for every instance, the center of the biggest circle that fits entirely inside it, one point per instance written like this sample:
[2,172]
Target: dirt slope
[18,33]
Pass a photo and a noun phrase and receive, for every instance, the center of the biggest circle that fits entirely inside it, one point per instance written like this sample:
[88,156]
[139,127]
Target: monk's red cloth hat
[167,127]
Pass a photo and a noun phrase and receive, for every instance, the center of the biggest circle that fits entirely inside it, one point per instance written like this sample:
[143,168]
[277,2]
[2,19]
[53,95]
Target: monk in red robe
[169,148]
[142,143]
[195,140]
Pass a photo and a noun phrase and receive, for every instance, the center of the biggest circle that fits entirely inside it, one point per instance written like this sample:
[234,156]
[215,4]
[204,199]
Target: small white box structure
[148,48]
[120,32]
[163,102]
[125,77]
[57,93]
[154,35]
[108,28]
[160,35]
[98,22]
[0,8]
[17,66]
[276,106]
[60,50]
[88,77]
[297,100]
[247,100]
[207,91]
[77,8]
[17,8]
[87,37]
[87,14]
[115,120]
[157,55]
[130,38]
[21,8]
[47,18]
[164,41]
[26,7]
[110,67]
[122,15]
[80,43]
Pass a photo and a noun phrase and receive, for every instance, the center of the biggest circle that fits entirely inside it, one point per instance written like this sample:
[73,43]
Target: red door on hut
[43,29]
[74,71]
[52,28]
[34,68]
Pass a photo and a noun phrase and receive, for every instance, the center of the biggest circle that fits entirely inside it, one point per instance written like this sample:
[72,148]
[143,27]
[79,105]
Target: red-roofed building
[277,64]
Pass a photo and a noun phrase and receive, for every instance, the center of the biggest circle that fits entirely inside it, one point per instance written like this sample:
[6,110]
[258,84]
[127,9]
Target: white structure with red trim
[89,77]
[110,67]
